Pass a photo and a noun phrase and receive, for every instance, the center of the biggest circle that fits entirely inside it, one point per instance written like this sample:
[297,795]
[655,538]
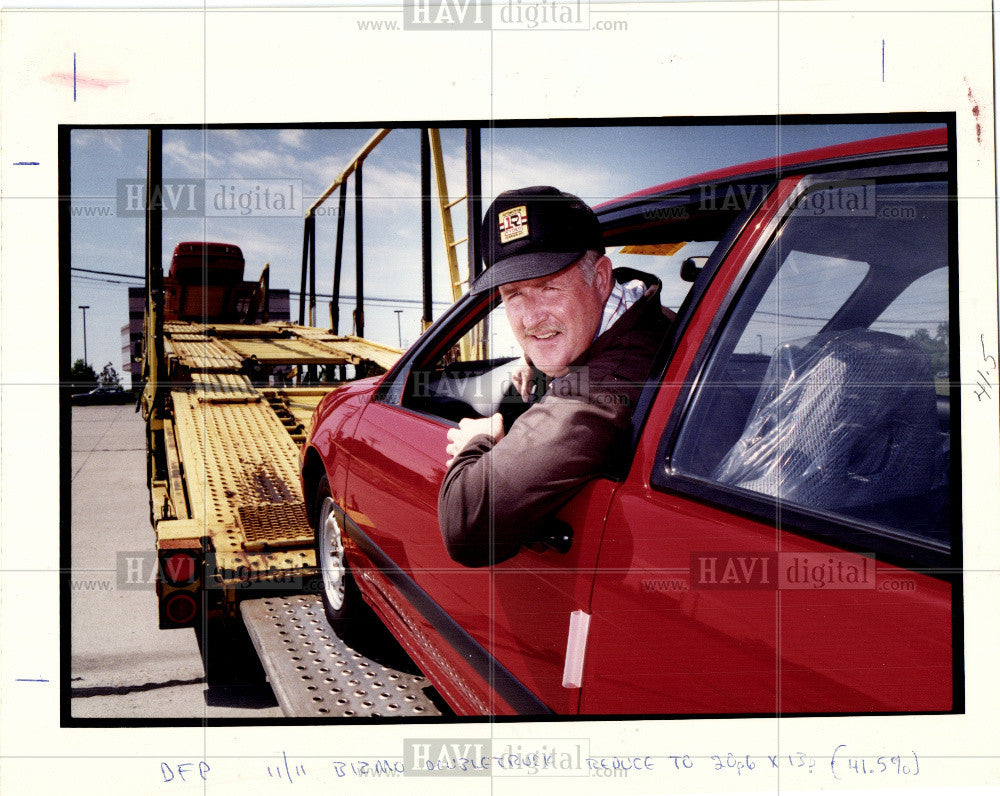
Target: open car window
[469,375]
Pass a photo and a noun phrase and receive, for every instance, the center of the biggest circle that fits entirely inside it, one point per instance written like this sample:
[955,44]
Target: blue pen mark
[74,77]
[25,162]
[285,771]
[883,60]
[30,680]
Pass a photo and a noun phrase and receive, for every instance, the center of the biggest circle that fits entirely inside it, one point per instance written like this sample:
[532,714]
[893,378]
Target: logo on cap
[513,223]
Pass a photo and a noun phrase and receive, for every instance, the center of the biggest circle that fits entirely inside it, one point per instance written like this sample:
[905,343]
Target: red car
[779,533]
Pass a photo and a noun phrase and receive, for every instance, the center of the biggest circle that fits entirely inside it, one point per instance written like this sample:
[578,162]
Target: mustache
[538,331]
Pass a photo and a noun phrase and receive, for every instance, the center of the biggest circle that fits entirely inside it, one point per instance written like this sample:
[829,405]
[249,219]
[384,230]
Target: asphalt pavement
[121,664]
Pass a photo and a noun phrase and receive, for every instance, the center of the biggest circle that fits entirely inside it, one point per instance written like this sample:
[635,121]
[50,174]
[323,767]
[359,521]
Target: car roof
[908,143]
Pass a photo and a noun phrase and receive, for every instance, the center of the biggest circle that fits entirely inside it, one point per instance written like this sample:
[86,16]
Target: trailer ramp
[314,673]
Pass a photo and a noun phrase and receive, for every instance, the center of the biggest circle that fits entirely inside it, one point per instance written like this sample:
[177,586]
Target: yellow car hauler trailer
[226,502]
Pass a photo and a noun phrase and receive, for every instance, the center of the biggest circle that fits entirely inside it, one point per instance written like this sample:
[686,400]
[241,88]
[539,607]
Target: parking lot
[121,664]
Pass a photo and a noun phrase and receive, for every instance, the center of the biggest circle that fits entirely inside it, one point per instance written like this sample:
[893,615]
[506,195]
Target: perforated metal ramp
[313,673]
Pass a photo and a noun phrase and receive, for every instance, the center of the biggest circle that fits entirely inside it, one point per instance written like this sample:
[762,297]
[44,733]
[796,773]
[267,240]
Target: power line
[788,316]
[98,279]
[344,297]
[108,273]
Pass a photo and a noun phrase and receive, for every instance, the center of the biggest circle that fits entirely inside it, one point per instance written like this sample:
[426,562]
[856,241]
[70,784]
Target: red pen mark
[975,113]
[67,79]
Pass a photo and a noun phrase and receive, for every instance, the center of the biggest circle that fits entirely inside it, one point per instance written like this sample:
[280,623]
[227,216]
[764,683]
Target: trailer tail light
[178,586]
[180,608]
[179,569]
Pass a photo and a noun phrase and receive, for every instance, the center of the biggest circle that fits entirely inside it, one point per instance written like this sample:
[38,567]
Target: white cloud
[401,182]
[506,168]
[394,189]
[265,162]
[190,162]
[110,139]
[519,168]
[292,138]
[236,137]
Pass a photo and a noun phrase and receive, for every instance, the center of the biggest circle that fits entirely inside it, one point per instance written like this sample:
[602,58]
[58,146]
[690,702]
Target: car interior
[848,418]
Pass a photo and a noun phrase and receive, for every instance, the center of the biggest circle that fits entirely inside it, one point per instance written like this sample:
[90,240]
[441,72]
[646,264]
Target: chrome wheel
[331,550]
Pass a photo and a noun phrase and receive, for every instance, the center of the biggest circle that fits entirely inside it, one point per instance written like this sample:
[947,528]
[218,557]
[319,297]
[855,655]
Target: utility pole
[399,328]
[84,307]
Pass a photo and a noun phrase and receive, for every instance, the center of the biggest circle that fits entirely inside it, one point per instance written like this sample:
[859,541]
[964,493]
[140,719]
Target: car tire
[341,596]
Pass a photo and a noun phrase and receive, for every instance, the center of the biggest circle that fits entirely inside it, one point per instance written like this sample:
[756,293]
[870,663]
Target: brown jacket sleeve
[495,497]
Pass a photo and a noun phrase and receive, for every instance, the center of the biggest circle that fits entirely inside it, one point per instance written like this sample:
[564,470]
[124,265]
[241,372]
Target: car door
[496,636]
[783,540]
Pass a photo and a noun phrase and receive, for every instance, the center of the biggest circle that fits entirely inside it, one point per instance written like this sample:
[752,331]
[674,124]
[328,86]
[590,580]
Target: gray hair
[588,264]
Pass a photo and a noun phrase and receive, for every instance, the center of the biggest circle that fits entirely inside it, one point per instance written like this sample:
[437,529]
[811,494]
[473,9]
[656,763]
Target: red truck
[779,533]
[206,281]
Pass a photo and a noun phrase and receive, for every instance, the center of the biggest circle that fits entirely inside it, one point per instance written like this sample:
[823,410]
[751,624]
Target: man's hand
[468,428]
[521,378]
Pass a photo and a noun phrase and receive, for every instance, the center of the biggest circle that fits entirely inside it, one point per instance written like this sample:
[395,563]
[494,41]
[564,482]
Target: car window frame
[890,545]
[685,312]
[392,388]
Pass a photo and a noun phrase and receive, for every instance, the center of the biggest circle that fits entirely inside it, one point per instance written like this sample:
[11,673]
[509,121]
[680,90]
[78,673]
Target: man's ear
[602,275]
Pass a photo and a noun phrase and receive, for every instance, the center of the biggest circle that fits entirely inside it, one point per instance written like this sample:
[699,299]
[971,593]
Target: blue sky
[597,163]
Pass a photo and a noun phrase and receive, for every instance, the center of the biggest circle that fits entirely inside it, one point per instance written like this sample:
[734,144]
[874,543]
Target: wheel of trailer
[342,599]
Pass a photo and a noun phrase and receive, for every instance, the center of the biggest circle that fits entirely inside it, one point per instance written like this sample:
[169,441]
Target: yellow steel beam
[204,354]
[174,478]
[445,205]
[382,355]
[358,158]
[289,352]
[223,386]
[466,346]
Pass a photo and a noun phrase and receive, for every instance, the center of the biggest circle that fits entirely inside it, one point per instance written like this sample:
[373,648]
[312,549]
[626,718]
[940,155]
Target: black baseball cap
[533,232]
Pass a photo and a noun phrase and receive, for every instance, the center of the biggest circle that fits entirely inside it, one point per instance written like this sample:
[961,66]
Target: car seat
[844,422]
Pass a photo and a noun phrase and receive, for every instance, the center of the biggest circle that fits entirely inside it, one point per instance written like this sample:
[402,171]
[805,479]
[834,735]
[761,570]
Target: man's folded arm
[496,497]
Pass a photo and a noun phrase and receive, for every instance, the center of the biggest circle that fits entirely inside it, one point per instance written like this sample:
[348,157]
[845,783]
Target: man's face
[555,318]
